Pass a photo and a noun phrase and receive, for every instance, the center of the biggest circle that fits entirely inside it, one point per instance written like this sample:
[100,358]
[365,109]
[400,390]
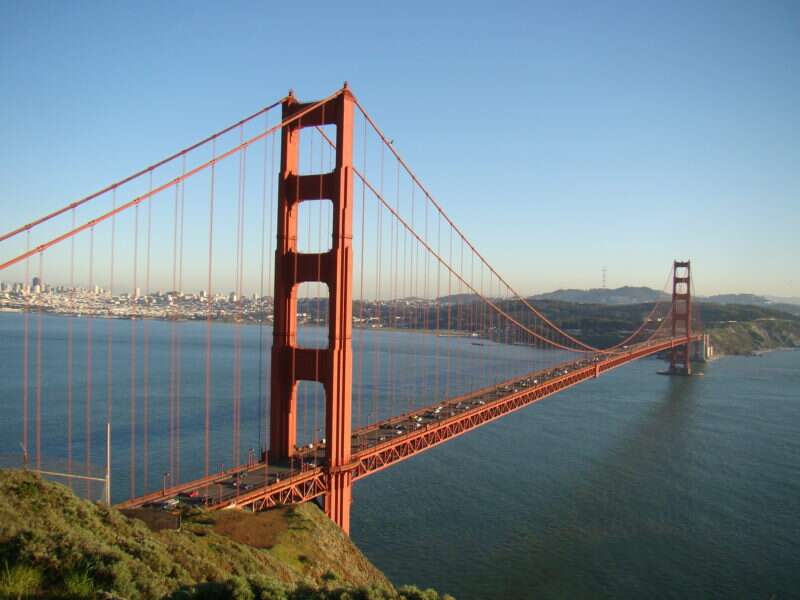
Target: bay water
[634,485]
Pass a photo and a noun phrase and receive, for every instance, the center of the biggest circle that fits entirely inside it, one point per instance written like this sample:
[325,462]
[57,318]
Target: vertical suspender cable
[377,374]
[270,281]
[25,349]
[146,352]
[448,375]
[437,304]
[408,248]
[173,338]
[237,383]
[135,296]
[315,437]
[262,259]
[361,284]
[392,299]
[87,416]
[426,316]
[70,325]
[209,310]
[297,401]
[178,358]
[39,368]
[110,322]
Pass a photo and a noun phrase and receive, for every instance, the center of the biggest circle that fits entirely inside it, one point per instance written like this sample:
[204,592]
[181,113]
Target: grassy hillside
[54,545]
[745,329]
[734,328]
[747,337]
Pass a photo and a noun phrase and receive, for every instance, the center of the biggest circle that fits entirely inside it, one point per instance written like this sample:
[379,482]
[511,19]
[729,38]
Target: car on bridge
[167,504]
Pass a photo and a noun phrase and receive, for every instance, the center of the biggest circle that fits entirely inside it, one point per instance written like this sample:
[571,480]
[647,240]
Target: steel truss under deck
[313,482]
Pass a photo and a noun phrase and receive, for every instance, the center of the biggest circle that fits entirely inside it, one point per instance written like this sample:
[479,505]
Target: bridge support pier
[331,366]
[339,497]
[702,349]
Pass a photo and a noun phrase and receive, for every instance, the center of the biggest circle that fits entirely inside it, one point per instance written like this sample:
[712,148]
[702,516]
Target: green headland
[56,545]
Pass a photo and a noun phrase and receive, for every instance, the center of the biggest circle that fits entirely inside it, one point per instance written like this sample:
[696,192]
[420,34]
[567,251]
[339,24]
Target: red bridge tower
[680,363]
[331,366]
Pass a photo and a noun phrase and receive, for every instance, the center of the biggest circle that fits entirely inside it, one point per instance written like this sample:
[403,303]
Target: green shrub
[240,589]
[268,589]
[79,583]
[412,592]
[329,576]
[19,581]
[204,591]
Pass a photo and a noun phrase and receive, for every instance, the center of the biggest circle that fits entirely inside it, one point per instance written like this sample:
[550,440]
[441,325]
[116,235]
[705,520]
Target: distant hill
[457,299]
[784,304]
[737,299]
[793,309]
[784,299]
[734,328]
[622,295]
[642,295]
[627,295]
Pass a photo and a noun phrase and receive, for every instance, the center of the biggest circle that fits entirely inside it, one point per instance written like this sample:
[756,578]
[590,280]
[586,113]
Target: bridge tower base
[331,366]
[680,359]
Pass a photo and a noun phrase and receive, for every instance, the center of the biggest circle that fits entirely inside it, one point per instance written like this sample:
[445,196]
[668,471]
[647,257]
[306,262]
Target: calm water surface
[634,485]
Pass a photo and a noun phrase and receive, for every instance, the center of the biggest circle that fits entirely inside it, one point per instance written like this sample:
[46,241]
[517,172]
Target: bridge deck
[259,485]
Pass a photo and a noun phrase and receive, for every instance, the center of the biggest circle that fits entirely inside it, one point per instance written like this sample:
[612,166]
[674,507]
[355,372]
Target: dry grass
[258,530]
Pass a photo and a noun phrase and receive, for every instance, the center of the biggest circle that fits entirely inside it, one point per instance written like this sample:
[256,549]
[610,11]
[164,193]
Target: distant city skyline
[37,286]
[591,137]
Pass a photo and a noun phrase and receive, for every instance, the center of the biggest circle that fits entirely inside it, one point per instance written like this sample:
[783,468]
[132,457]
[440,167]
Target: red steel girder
[395,450]
[314,482]
[300,488]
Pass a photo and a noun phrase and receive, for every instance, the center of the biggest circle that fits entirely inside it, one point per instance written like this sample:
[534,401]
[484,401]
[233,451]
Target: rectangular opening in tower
[314,227]
[312,315]
[317,151]
[311,420]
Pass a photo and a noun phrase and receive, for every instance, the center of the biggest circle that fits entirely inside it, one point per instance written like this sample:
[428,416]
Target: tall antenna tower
[604,278]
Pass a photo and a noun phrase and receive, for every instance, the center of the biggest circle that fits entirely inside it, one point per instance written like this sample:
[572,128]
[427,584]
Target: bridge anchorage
[479,349]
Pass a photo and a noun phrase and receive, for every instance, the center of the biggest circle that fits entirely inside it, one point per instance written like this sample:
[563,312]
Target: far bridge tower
[680,361]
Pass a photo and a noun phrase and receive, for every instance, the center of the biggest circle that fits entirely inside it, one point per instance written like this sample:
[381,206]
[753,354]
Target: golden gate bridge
[312,202]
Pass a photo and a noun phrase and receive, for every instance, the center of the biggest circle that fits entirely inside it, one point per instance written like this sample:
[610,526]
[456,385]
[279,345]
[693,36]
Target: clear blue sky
[591,134]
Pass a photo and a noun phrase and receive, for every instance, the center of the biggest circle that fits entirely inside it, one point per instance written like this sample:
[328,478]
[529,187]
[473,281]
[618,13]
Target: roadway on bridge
[259,477]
